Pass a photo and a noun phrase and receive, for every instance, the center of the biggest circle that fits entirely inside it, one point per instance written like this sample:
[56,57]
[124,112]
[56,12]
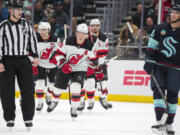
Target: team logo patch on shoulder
[24,30]
[163,32]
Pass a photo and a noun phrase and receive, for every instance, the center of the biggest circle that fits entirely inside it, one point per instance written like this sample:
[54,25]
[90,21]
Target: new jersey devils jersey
[103,48]
[45,50]
[78,55]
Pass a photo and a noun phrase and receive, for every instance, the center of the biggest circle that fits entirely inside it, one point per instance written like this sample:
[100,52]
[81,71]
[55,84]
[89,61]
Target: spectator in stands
[27,5]
[3,12]
[61,19]
[49,11]
[27,15]
[149,25]
[125,37]
[36,28]
[38,13]
[125,40]
[132,26]
[137,16]
[66,7]
[151,9]
[166,8]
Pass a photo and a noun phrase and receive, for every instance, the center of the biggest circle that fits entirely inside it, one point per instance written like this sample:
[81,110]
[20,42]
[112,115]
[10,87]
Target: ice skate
[169,130]
[90,105]
[104,103]
[39,107]
[109,105]
[81,106]
[158,129]
[48,99]
[52,106]
[28,125]
[10,125]
[73,113]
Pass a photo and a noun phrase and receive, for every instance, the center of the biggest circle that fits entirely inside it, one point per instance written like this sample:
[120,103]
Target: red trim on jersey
[169,65]
[102,51]
[151,49]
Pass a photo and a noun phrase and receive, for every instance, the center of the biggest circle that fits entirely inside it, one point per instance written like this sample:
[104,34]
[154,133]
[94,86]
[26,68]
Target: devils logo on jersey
[75,59]
[45,54]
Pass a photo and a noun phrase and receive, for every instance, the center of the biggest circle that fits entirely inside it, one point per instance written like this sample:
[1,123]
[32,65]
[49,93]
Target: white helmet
[82,28]
[95,22]
[44,25]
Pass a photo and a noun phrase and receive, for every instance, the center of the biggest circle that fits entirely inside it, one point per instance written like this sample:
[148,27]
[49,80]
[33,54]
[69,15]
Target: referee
[17,40]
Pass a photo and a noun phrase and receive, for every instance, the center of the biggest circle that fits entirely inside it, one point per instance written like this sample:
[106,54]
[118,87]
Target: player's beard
[175,21]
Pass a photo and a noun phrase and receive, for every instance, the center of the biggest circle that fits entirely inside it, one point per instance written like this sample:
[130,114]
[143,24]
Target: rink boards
[127,82]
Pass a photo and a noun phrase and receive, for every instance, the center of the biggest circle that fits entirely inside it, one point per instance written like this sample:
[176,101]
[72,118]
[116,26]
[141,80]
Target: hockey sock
[40,94]
[90,95]
[83,92]
[159,107]
[75,100]
[172,112]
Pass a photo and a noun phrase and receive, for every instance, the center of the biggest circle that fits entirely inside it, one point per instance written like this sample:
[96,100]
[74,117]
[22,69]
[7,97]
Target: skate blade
[73,119]
[28,129]
[38,112]
[158,132]
[10,129]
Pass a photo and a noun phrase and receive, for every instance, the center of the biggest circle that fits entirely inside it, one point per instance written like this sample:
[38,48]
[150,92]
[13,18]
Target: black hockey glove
[149,67]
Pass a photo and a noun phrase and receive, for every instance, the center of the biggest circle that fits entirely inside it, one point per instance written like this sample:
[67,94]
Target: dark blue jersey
[164,46]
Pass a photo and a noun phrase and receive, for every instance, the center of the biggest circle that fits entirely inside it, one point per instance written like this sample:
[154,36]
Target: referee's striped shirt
[17,39]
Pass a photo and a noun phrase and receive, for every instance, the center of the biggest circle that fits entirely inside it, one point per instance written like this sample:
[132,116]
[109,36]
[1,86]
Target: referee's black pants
[20,67]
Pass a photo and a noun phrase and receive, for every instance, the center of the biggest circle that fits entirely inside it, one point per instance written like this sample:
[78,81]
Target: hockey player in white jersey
[89,85]
[72,58]
[46,71]
[101,73]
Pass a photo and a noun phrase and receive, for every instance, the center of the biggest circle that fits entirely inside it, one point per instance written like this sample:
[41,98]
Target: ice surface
[123,119]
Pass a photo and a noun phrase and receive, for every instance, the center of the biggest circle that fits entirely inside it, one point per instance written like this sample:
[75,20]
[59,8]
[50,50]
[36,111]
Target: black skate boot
[10,125]
[52,106]
[169,130]
[48,100]
[81,106]
[73,112]
[28,125]
[104,103]
[90,105]
[158,129]
[39,107]
[109,105]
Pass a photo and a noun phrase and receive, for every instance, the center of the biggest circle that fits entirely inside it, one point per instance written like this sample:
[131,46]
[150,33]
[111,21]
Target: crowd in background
[57,13]
[128,37]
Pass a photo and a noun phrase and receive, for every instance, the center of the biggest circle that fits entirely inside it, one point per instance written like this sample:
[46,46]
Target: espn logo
[136,78]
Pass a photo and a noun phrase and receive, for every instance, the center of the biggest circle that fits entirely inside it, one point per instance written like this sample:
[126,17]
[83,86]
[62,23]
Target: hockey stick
[65,31]
[90,32]
[110,60]
[166,112]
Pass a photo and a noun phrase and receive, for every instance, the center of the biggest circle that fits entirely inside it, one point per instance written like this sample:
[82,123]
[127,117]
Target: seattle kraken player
[162,57]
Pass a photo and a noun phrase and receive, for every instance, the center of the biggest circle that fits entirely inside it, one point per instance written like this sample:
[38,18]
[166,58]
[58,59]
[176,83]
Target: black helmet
[15,3]
[176,7]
